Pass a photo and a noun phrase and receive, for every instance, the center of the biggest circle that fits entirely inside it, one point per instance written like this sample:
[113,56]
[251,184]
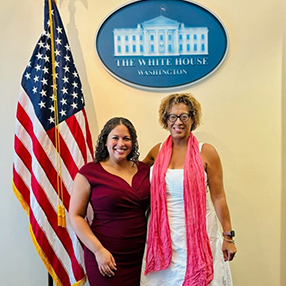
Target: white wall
[242,118]
[19,263]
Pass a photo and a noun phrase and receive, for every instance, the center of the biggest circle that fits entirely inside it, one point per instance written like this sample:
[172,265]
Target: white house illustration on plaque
[161,36]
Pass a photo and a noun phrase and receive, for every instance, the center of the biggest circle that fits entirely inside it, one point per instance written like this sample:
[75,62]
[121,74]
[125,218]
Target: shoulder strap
[201,146]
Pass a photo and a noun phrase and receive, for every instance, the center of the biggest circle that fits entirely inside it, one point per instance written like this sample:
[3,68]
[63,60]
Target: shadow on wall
[80,64]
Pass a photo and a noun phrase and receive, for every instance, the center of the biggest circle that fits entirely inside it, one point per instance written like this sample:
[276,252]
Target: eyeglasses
[184,117]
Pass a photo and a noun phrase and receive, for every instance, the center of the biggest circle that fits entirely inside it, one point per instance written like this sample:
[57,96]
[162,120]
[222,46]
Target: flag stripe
[19,183]
[21,149]
[24,195]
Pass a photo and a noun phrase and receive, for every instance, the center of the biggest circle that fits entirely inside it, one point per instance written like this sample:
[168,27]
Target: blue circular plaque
[158,44]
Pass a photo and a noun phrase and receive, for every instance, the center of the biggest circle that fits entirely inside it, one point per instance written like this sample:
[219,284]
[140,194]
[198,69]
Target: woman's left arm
[213,169]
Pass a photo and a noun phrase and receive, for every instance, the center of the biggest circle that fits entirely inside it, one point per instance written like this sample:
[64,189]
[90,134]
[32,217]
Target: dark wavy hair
[101,152]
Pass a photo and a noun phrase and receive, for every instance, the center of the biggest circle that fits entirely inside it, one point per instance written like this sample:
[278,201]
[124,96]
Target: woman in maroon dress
[117,186]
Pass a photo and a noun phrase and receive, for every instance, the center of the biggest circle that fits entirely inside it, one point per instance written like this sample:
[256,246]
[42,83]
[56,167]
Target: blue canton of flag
[38,81]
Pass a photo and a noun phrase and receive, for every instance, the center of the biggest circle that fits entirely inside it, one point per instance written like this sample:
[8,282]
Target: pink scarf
[199,270]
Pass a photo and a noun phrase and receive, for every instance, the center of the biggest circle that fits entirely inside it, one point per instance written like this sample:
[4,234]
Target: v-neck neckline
[131,186]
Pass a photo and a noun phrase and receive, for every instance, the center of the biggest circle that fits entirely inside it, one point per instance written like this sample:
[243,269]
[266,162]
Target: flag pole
[50,280]
[61,208]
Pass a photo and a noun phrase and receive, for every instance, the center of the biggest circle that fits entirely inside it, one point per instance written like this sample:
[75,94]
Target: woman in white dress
[184,244]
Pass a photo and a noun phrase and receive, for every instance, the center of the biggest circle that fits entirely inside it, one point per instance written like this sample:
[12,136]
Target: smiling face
[119,143]
[179,129]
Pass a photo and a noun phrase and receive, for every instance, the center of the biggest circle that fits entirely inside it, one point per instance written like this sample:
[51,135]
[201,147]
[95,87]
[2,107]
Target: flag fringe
[81,282]
[21,199]
[44,258]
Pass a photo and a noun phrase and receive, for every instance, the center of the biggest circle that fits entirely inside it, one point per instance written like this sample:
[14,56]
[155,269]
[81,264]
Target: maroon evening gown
[119,222]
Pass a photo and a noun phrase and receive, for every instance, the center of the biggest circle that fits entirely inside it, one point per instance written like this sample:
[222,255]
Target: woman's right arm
[152,155]
[77,210]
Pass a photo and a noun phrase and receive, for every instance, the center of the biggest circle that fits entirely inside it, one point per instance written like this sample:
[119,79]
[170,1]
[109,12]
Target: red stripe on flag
[20,185]
[88,134]
[25,156]
[22,153]
[78,135]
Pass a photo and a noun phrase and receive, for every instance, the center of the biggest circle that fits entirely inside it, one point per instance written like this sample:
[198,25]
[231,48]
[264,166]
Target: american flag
[52,141]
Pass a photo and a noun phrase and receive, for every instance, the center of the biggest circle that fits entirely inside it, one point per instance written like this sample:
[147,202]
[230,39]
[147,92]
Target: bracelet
[229,240]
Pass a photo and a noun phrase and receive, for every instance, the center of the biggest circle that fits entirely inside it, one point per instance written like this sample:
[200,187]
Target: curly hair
[186,98]
[101,152]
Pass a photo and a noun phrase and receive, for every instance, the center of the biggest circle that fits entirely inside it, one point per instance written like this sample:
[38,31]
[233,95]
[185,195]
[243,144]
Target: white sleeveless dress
[174,275]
